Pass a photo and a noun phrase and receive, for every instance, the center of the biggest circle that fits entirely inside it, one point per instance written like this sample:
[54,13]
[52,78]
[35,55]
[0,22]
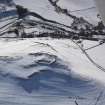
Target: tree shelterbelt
[79,29]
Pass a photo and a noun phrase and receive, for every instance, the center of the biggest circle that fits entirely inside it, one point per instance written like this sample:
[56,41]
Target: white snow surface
[45,71]
[45,9]
[49,71]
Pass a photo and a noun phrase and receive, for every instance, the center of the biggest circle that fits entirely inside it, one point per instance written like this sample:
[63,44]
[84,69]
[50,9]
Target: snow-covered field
[49,71]
[44,8]
[46,71]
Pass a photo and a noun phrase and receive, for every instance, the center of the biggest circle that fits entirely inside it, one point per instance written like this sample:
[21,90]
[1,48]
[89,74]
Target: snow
[46,71]
[73,4]
[52,71]
[44,8]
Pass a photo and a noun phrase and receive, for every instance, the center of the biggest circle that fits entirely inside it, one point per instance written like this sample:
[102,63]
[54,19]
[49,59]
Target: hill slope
[40,71]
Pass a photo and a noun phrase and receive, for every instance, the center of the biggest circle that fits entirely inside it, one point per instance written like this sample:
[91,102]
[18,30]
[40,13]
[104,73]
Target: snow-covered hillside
[50,71]
[36,71]
[45,9]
